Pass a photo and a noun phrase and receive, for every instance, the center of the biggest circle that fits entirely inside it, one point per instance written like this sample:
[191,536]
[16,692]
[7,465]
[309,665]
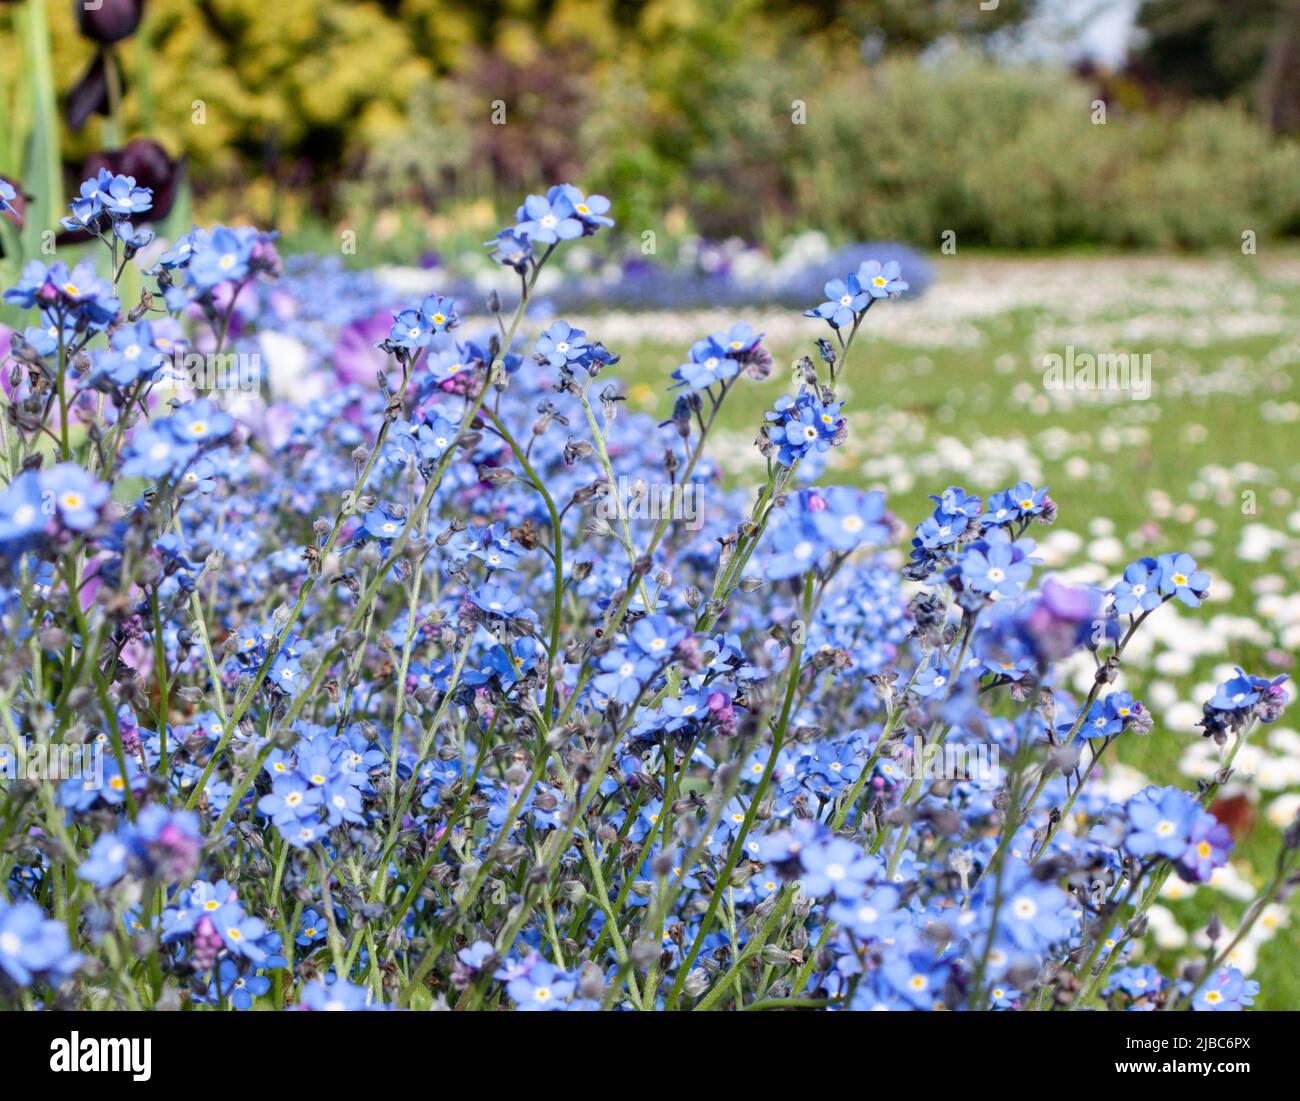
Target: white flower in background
[1282,811]
[1121,783]
[1273,917]
[1165,930]
[1284,740]
[1232,883]
[1171,663]
[1244,956]
[1162,694]
[1183,717]
[1258,542]
[1108,550]
[1278,773]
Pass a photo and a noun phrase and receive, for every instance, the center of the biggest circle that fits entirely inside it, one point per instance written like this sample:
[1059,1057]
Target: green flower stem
[243,703]
[611,921]
[1054,828]
[476,885]
[65,451]
[331,923]
[997,866]
[399,544]
[557,557]
[598,438]
[793,1003]
[1094,984]
[801,977]
[401,803]
[404,666]
[101,689]
[611,866]
[752,949]
[160,662]
[730,575]
[413,889]
[1285,861]
[737,847]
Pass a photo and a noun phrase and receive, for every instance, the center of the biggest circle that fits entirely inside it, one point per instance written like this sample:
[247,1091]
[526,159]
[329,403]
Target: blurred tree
[909,24]
[1225,48]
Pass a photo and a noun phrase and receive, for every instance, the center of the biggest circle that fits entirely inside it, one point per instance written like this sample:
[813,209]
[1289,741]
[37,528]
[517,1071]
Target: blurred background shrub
[415,121]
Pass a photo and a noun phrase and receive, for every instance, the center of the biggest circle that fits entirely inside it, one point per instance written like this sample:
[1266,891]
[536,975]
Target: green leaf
[42,174]
[180,218]
[10,266]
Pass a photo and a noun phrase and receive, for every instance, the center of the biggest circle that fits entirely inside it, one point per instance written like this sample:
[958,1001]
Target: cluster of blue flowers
[167,450]
[160,844]
[44,508]
[1171,823]
[562,214]
[719,358]
[1142,988]
[948,536]
[207,268]
[107,197]
[815,523]
[803,424]
[318,786]
[391,708]
[1149,582]
[208,931]
[848,299]
[74,303]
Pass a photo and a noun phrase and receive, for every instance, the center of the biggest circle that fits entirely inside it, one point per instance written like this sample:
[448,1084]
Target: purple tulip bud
[109,21]
[148,163]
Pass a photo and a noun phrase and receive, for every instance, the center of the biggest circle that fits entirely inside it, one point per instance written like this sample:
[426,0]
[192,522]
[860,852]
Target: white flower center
[1025,908]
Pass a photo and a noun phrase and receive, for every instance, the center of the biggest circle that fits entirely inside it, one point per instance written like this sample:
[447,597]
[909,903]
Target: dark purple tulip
[88,96]
[148,162]
[108,21]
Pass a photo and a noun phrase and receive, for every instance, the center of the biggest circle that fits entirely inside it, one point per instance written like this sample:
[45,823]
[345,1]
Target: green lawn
[951,389]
